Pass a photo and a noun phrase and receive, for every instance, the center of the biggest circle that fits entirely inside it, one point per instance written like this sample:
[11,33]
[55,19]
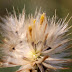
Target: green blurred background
[63,7]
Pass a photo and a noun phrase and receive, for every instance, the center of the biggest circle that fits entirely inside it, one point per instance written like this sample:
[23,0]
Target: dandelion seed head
[34,43]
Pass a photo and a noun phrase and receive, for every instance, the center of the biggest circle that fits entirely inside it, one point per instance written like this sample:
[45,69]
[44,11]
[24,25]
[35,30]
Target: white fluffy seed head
[34,42]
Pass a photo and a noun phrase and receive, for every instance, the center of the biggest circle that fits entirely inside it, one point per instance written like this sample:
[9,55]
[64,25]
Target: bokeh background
[63,7]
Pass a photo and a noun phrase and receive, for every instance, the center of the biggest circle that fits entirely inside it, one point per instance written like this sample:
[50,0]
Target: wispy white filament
[34,42]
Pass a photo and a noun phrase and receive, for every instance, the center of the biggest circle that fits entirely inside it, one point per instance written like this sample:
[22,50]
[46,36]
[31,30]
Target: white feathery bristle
[35,42]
